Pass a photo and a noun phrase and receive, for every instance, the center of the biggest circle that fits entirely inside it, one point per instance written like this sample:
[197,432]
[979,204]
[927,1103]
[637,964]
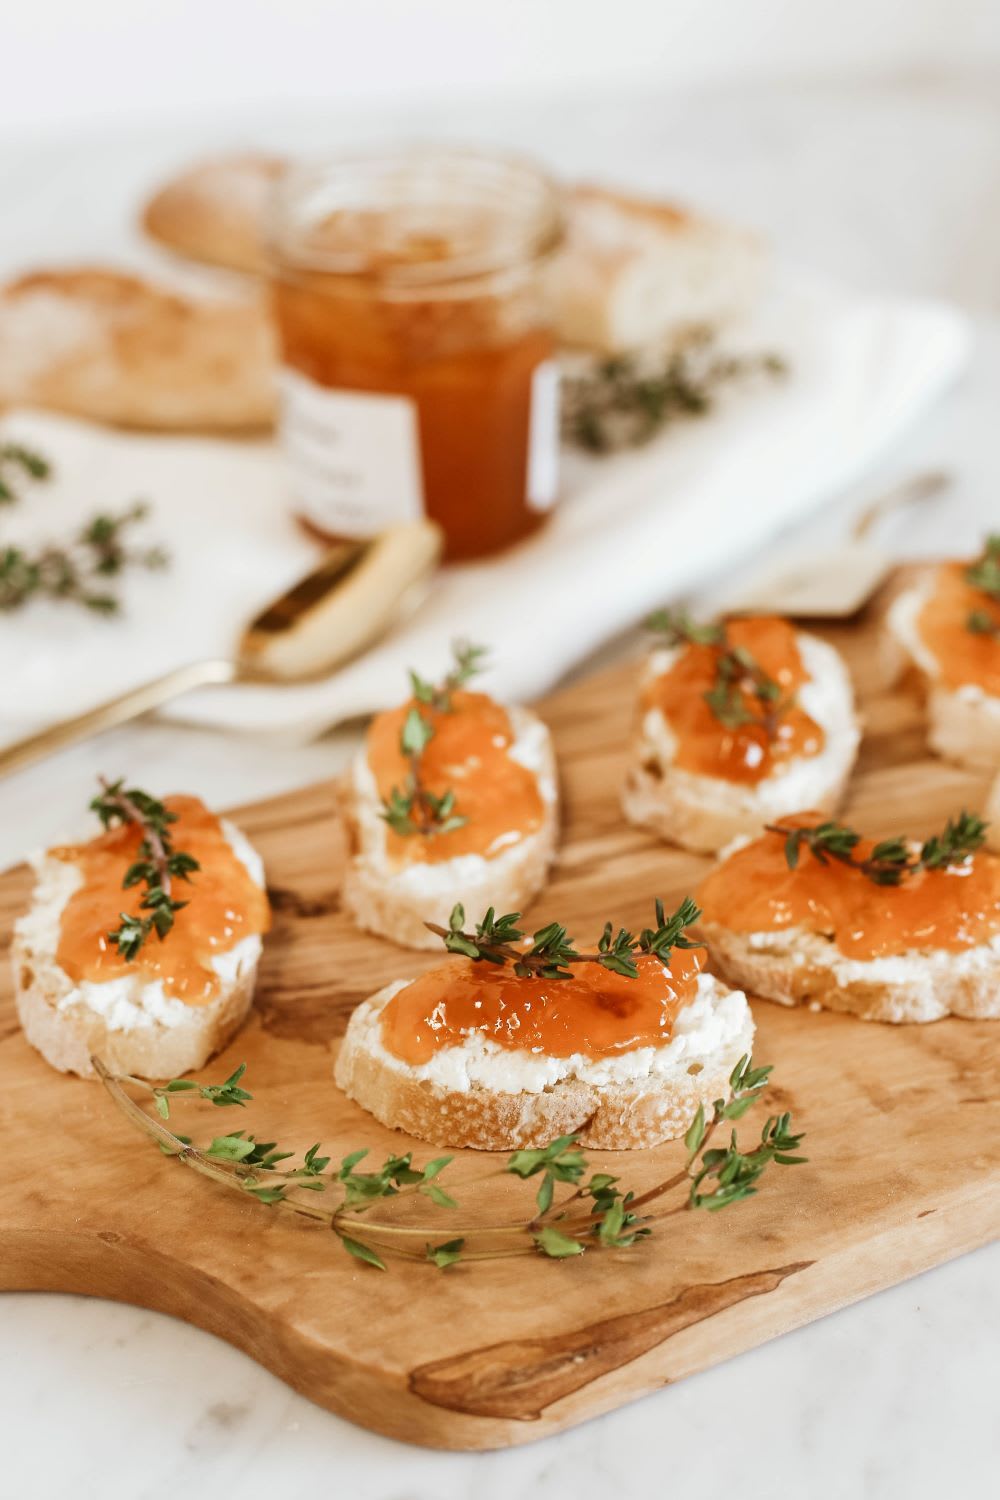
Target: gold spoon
[326,618]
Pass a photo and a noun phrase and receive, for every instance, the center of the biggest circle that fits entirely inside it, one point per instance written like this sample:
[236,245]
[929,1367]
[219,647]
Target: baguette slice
[705,813]
[109,347]
[963,723]
[132,1026]
[215,211]
[483,1097]
[396,902]
[635,272]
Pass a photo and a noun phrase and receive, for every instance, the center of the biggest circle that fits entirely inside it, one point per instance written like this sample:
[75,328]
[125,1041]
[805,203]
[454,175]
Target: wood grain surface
[903,1139]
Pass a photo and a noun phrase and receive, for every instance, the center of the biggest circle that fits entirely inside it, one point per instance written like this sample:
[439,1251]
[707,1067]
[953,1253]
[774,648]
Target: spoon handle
[138,700]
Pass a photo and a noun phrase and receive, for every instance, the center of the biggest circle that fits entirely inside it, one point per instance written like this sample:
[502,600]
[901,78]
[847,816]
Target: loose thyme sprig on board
[597,1213]
[624,401]
[78,572]
[893,860]
[984,575]
[157,866]
[17,464]
[738,674]
[414,808]
[498,940]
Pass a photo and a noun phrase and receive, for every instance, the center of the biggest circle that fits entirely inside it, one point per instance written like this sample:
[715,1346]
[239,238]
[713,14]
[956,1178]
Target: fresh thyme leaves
[893,860]
[414,808]
[574,1208]
[80,571]
[984,575]
[157,866]
[499,940]
[469,661]
[18,463]
[742,692]
[624,401]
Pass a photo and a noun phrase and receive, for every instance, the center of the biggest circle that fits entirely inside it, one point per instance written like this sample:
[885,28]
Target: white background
[71,61]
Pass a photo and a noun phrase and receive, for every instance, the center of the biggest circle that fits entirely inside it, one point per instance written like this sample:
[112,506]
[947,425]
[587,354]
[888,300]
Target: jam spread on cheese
[953,908]
[596,1013]
[469,753]
[963,655]
[746,752]
[224,906]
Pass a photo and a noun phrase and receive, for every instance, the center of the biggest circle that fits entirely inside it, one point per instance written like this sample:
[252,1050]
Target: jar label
[543,437]
[354,456]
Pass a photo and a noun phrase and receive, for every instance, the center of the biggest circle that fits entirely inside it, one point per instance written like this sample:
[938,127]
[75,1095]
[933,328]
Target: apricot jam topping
[755,891]
[469,754]
[595,1013]
[750,751]
[224,906]
[963,655]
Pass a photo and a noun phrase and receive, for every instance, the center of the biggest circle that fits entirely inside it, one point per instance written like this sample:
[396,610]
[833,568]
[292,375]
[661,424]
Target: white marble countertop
[892,185]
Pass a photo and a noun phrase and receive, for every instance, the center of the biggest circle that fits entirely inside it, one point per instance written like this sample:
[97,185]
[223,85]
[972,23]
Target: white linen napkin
[632,531]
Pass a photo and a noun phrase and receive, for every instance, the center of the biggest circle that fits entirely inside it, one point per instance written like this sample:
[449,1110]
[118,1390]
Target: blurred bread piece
[110,347]
[215,211]
[635,272]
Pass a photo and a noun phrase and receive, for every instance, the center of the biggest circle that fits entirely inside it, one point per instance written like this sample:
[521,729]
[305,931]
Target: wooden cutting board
[903,1139]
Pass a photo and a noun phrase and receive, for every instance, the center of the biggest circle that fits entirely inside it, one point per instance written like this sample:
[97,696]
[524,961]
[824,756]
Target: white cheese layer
[826,696]
[922,968]
[531,747]
[126,1002]
[715,1018]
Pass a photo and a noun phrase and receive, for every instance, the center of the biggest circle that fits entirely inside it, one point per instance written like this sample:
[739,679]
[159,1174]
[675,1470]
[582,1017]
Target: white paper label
[543,436]
[354,456]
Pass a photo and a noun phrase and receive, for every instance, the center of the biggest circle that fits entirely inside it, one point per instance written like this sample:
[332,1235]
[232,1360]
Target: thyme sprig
[893,860]
[157,866]
[498,940]
[739,677]
[597,1211]
[984,575]
[17,464]
[413,808]
[624,401]
[80,570]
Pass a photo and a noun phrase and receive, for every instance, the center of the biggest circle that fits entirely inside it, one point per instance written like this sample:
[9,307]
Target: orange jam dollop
[596,1013]
[755,891]
[225,905]
[963,655]
[746,752]
[470,754]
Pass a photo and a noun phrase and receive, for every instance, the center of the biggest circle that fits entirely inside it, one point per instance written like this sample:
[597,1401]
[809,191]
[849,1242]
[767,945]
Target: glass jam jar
[418,355]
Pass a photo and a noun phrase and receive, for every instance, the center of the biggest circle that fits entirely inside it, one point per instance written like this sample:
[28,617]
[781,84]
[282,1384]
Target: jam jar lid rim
[538,244]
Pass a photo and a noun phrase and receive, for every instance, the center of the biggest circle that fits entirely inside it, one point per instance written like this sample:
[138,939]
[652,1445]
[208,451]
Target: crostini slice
[948,626]
[451,796]
[141,946]
[515,1041]
[738,723]
[810,913]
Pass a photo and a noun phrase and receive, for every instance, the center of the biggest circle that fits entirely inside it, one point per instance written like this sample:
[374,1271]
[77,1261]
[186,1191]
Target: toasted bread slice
[704,813]
[963,723]
[483,1097]
[215,211]
[114,348]
[396,902]
[796,967]
[132,1026]
[636,272]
